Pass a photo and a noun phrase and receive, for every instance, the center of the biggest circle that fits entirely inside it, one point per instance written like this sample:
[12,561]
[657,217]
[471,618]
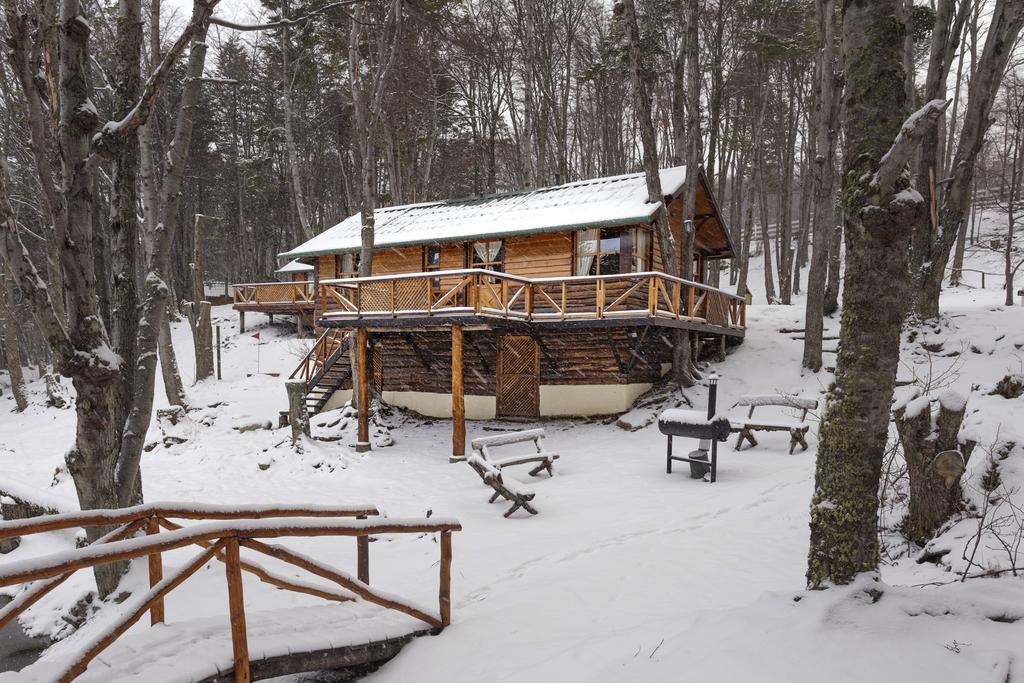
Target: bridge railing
[222,531]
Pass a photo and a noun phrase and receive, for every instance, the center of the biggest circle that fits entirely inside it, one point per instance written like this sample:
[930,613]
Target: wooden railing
[224,530]
[314,362]
[484,292]
[253,293]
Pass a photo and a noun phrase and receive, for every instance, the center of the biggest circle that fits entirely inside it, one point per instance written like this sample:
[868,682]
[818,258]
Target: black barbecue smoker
[694,424]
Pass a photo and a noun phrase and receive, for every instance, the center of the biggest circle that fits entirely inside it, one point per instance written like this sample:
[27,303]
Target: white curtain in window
[487,252]
[641,247]
[586,248]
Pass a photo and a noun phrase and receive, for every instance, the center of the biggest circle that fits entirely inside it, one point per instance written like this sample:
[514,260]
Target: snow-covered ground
[627,573]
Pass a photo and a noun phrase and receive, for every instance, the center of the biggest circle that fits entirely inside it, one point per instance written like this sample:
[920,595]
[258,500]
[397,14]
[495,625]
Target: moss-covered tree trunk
[880,212]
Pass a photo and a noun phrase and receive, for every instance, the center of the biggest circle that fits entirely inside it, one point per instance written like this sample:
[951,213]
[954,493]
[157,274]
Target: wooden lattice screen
[518,386]
[377,366]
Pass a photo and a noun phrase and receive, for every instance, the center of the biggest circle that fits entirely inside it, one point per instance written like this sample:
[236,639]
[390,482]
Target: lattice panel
[518,380]
[269,293]
[377,366]
[518,356]
[375,296]
[519,396]
[411,295]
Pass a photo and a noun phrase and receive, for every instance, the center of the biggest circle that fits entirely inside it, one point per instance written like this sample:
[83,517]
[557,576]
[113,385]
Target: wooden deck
[275,297]
[486,298]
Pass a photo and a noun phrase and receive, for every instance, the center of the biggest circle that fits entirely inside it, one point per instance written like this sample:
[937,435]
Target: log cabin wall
[546,255]
[326,267]
[421,361]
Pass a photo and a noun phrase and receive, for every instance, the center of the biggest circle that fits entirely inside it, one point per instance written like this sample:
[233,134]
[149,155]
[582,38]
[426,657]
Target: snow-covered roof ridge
[595,202]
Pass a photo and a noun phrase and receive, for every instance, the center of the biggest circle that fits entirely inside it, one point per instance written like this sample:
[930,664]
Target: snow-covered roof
[616,200]
[295,266]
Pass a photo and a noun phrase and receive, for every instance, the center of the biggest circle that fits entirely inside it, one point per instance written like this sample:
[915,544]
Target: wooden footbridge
[360,625]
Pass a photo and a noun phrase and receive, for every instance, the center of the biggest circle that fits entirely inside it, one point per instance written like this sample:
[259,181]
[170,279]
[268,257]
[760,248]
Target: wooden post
[362,393]
[458,400]
[156,575]
[300,331]
[363,558]
[236,607]
[298,416]
[241,321]
[445,591]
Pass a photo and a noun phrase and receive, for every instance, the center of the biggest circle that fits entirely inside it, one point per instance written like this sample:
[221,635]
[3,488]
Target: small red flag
[256,336]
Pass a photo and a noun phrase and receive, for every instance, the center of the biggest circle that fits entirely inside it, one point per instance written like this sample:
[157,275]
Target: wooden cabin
[551,301]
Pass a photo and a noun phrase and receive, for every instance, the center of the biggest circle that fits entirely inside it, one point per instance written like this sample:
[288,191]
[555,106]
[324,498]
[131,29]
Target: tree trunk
[681,360]
[174,389]
[932,246]
[935,492]
[880,216]
[198,311]
[294,165]
[10,342]
[835,249]
[826,120]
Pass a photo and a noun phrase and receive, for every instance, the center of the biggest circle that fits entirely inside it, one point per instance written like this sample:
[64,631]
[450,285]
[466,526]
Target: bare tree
[99,357]
[881,211]
[827,120]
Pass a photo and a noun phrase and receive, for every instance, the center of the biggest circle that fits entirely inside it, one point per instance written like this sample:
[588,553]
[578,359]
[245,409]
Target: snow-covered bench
[504,486]
[545,460]
[797,428]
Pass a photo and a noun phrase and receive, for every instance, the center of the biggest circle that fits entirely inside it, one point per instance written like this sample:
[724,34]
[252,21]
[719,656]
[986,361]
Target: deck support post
[721,347]
[156,575]
[271,316]
[241,321]
[300,327]
[445,591]
[458,399]
[362,393]
[236,606]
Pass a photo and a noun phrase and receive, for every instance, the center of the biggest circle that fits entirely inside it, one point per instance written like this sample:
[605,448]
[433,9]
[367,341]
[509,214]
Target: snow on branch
[115,132]
[217,21]
[914,128]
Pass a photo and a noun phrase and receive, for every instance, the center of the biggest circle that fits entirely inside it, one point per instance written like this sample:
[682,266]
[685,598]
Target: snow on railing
[477,291]
[222,533]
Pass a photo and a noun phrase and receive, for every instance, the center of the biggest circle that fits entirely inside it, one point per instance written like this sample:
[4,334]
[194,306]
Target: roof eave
[615,222]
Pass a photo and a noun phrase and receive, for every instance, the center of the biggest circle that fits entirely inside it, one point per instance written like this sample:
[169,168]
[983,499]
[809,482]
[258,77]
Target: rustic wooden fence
[221,532]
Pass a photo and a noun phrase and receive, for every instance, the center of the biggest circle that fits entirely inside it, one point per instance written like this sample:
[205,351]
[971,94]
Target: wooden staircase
[325,368]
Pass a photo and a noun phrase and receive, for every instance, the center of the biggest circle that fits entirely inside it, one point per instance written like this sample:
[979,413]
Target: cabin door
[518,385]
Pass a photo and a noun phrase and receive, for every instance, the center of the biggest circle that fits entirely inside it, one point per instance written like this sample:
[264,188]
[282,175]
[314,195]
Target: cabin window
[347,265]
[432,261]
[610,251]
[641,250]
[489,255]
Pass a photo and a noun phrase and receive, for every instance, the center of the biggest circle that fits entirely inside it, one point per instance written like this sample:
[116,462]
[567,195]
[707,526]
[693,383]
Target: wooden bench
[491,468]
[483,446]
[797,428]
[504,486]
